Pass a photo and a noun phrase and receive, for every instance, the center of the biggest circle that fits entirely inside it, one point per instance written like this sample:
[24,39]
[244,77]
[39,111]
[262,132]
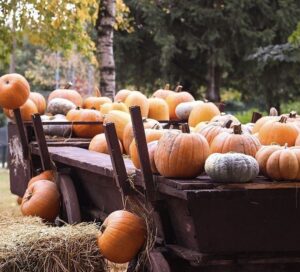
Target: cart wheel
[70,205]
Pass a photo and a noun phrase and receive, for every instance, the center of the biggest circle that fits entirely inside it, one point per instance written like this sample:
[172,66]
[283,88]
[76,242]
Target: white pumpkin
[60,106]
[56,130]
[231,167]
[184,109]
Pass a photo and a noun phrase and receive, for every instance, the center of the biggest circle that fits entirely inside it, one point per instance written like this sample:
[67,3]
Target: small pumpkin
[41,199]
[163,93]
[261,121]
[60,106]
[99,144]
[203,112]
[173,100]
[68,94]
[45,175]
[56,130]
[184,109]
[279,132]
[123,235]
[107,107]
[231,167]
[181,155]
[235,141]
[95,102]
[86,131]
[14,91]
[27,110]
[158,109]
[122,95]
[223,117]
[136,98]
[39,101]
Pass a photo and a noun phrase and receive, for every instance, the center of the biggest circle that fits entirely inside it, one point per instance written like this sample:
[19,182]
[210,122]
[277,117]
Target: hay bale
[28,245]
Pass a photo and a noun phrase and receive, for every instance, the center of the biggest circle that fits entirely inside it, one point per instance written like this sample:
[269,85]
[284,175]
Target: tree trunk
[105,53]
[213,85]
[12,63]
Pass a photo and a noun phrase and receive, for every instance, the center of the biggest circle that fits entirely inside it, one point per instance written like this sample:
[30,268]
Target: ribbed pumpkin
[45,175]
[39,101]
[128,132]
[95,102]
[211,130]
[260,122]
[123,235]
[263,155]
[279,132]
[14,91]
[284,164]
[86,131]
[151,135]
[203,112]
[235,141]
[163,93]
[68,94]
[184,109]
[138,99]
[173,100]
[41,199]
[99,144]
[120,119]
[27,109]
[223,117]
[158,109]
[122,95]
[107,107]
[181,155]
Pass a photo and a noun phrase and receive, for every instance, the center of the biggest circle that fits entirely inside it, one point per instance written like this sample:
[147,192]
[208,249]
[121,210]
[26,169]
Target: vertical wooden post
[22,133]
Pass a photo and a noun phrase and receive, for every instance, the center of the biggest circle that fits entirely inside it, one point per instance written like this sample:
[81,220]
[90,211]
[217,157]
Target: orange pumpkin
[181,155]
[14,91]
[86,131]
[203,112]
[41,199]
[122,95]
[39,101]
[235,141]
[27,110]
[68,94]
[138,99]
[152,146]
[163,93]
[151,135]
[45,175]
[128,132]
[95,102]
[107,107]
[123,235]
[173,100]
[158,109]
[261,121]
[279,132]
[99,144]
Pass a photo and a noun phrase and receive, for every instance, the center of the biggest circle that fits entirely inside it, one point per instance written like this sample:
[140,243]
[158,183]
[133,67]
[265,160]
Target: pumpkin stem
[293,114]
[227,123]
[178,89]
[28,196]
[283,119]
[102,228]
[156,126]
[221,107]
[167,87]
[185,128]
[285,145]
[68,85]
[97,92]
[93,108]
[205,100]
[273,112]
[237,129]
[77,108]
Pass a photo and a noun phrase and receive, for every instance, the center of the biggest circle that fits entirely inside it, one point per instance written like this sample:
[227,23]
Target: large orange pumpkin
[95,102]
[181,155]
[120,119]
[138,99]
[68,94]
[122,95]
[163,93]
[261,121]
[27,110]
[128,132]
[14,91]
[173,100]
[45,175]
[86,131]
[41,199]
[279,132]
[123,235]
[99,144]
[203,112]
[151,135]
[235,141]
[39,101]
[158,109]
